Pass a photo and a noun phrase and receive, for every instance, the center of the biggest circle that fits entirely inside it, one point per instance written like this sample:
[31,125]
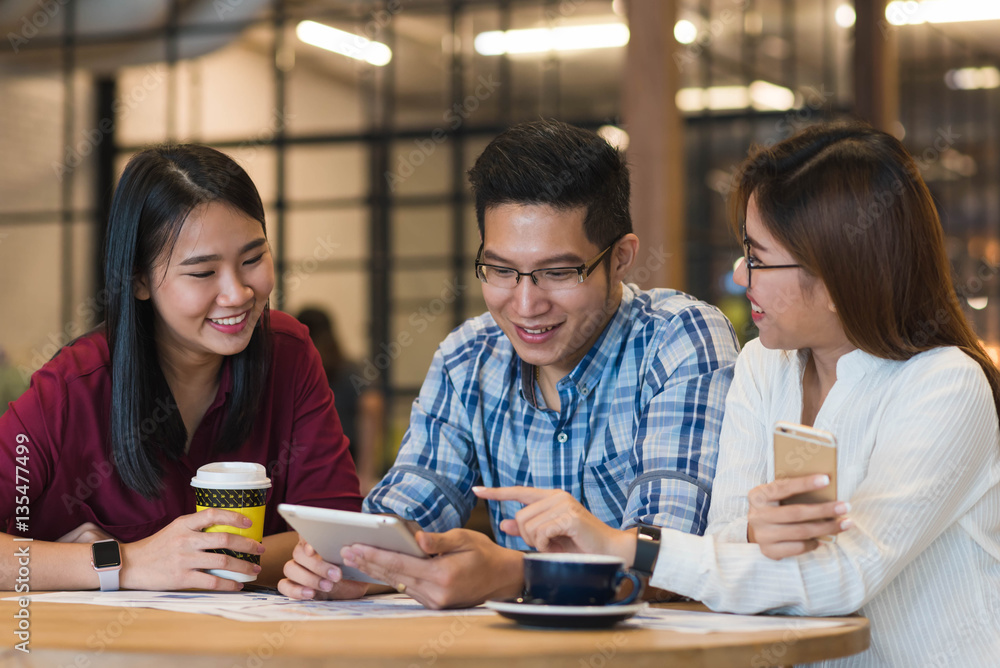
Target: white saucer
[564,616]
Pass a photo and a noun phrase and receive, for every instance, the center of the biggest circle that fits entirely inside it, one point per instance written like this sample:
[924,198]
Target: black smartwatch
[106,557]
[647,549]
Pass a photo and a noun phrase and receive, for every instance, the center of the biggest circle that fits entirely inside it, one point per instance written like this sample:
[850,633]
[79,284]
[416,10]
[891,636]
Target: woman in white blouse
[861,335]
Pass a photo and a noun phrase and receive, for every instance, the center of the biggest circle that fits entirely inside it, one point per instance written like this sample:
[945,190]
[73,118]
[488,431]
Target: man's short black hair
[553,163]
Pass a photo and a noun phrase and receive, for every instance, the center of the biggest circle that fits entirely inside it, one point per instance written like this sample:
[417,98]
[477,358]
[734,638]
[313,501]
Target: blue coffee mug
[577,579]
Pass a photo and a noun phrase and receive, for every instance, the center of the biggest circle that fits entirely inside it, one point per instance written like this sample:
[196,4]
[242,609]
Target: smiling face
[791,309]
[210,293]
[551,328]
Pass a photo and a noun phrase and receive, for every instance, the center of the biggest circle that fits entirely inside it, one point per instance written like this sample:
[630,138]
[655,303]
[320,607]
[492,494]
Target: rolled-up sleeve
[431,481]
[677,439]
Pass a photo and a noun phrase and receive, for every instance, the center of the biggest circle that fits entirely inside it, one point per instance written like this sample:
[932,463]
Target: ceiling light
[845,16]
[972,78]
[542,40]
[900,13]
[685,32]
[615,136]
[978,303]
[345,43]
[761,95]
[766,96]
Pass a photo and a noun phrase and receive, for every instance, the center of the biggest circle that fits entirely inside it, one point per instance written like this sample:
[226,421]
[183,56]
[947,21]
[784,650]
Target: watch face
[106,554]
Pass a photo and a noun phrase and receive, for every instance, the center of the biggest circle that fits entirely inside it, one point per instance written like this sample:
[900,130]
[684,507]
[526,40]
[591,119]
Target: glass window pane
[422,70]
[31,330]
[325,91]
[328,234]
[325,172]
[420,231]
[235,99]
[416,334]
[261,164]
[31,134]
[344,294]
[420,166]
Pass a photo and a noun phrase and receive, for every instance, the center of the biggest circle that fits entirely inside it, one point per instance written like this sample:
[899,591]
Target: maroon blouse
[58,430]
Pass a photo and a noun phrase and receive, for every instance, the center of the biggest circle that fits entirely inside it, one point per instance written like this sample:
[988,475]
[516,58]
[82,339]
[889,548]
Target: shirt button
[584,390]
[562,437]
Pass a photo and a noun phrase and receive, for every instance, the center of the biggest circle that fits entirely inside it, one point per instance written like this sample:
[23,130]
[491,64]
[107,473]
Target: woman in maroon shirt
[190,367]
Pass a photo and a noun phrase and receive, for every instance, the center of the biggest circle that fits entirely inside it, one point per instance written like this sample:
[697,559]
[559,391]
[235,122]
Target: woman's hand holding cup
[175,557]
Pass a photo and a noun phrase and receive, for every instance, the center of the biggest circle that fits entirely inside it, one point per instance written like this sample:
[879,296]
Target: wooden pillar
[876,66]
[656,143]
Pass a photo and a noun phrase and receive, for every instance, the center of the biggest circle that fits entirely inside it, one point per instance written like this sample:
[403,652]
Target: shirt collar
[588,370]
[850,367]
[225,385]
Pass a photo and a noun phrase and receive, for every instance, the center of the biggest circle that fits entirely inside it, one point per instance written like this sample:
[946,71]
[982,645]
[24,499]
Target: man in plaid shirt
[573,381]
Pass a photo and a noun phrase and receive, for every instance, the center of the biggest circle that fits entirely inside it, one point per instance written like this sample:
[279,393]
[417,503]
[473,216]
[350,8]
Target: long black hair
[157,191]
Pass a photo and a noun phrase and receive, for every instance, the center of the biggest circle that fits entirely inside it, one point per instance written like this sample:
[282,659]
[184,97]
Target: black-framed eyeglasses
[550,278]
[753,264]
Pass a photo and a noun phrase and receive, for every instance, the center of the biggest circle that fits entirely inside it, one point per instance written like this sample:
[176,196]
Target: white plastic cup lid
[231,475]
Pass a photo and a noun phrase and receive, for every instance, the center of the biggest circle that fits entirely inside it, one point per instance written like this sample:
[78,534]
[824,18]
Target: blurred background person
[361,409]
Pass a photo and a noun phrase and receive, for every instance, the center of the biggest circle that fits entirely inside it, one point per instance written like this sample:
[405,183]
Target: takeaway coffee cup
[239,486]
[577,579]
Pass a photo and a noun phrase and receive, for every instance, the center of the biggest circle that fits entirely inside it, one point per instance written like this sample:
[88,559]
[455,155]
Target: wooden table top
[88,636]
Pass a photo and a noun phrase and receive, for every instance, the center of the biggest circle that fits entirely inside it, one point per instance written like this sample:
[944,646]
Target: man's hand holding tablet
[340,553]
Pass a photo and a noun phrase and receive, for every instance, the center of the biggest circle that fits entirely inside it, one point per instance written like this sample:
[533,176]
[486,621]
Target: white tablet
[330,530]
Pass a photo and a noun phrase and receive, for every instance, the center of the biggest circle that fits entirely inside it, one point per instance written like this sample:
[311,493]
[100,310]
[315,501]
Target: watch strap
[107,575]
[647,549]
[109,579]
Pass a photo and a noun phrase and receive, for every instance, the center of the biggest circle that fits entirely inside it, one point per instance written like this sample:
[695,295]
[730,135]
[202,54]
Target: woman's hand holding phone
[790,530]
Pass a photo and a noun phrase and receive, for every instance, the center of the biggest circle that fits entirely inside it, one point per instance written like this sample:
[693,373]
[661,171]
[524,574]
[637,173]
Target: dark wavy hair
[849,204]
[563,166]
[157,191]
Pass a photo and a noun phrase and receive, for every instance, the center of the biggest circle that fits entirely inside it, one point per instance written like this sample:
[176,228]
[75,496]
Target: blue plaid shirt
[635,440]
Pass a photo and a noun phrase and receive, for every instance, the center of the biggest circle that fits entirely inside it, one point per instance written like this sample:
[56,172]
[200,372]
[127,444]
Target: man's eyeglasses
[551,278]
[753,264]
